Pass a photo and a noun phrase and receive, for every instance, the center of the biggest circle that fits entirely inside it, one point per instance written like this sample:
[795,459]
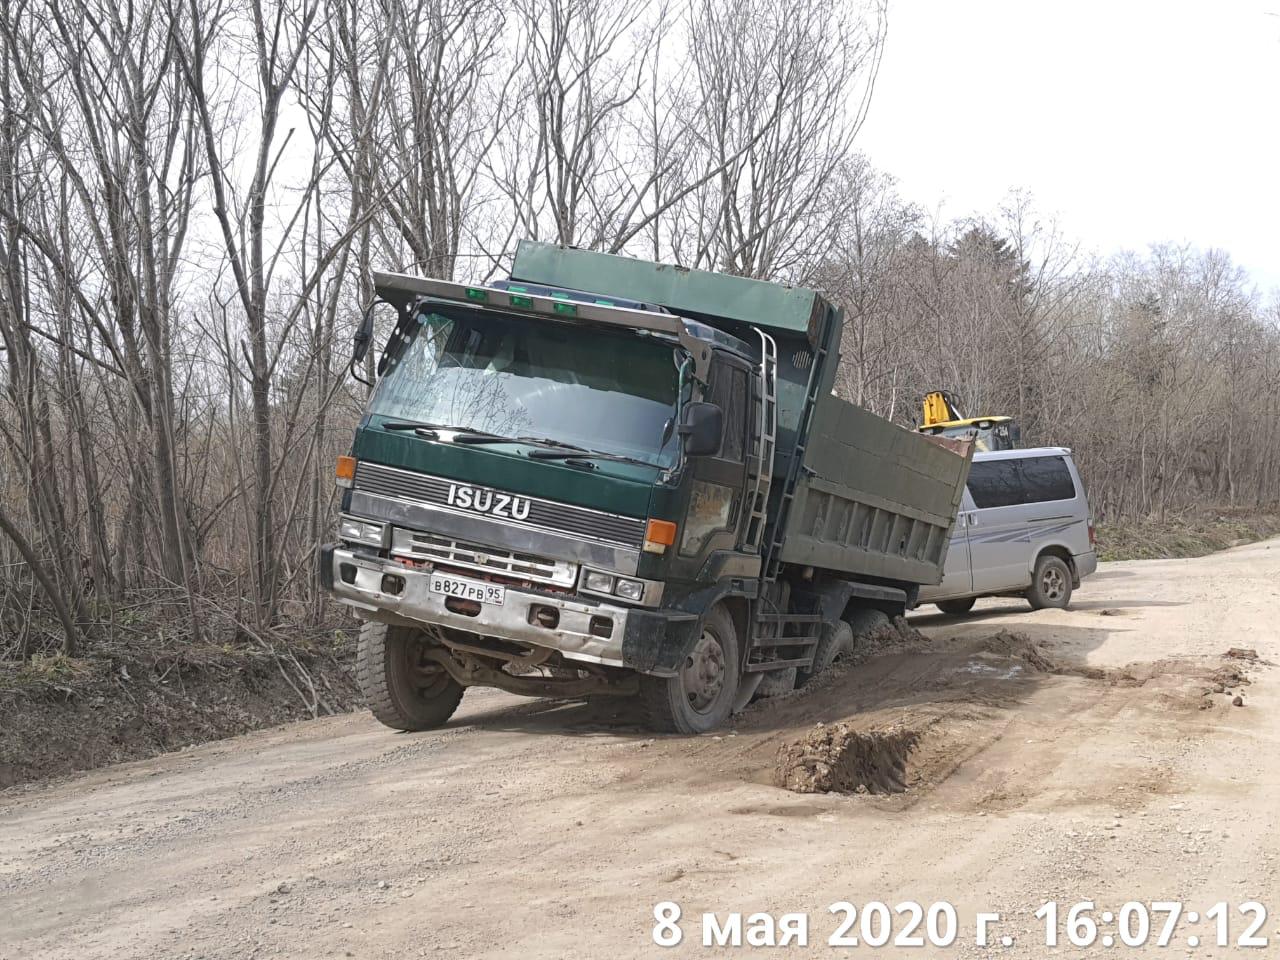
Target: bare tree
[783,88]
[276,37]
[115,128]
[579,72]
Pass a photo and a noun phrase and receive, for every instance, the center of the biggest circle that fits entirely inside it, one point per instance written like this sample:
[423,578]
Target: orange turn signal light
[658,535]
[345,471]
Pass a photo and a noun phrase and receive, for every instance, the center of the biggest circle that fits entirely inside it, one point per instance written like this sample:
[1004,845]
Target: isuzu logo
[483,500]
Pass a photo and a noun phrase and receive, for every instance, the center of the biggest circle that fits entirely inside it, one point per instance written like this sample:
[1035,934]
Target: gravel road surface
[1097,757]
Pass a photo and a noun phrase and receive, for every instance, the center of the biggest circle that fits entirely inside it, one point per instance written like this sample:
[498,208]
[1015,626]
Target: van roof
[1022,453]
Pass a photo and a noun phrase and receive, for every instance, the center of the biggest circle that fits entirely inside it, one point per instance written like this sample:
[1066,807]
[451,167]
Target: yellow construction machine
[943,418]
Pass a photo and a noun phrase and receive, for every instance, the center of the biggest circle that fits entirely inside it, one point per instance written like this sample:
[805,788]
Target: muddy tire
[837,640]
[866,621]
[402,691]
[700,696]
[777,683]
[956,608]
[1050,584]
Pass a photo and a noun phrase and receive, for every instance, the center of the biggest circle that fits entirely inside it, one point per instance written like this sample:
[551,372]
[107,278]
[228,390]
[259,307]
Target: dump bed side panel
[874,499]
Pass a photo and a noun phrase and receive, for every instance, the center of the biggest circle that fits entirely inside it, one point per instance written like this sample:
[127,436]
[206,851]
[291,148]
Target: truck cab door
[715,517]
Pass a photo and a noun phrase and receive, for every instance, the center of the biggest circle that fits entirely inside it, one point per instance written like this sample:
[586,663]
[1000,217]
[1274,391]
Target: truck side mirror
[701,428]
[363,336]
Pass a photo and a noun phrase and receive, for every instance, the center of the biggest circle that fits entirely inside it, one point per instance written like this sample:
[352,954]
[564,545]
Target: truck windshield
[604,390]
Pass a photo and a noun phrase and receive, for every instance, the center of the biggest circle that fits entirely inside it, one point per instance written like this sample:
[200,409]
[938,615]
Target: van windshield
[995,437]
[605,390]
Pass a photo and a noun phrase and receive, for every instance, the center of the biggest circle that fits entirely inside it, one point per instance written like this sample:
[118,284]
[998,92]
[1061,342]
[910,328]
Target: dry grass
[1187,535]
[137,696]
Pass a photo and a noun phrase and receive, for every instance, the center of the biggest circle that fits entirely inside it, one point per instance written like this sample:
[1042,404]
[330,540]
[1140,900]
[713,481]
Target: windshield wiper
[477,437]
[551,449]
[558,444]
[462,434]
[583,454]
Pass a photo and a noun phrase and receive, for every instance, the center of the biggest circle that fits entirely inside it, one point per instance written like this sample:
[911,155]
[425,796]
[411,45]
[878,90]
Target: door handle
[973,519]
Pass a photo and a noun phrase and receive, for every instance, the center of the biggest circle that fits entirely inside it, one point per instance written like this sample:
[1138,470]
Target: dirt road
[1098,763]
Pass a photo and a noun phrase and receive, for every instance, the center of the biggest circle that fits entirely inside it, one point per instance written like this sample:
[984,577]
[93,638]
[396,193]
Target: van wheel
[837,640]
[1051,584]
[403,691]
[956,608]
[699,697]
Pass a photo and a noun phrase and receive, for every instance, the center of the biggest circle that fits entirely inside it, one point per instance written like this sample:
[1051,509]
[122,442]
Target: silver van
[1023,529]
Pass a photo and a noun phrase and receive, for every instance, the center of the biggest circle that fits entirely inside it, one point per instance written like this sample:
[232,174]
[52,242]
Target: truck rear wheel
[837,638]
[404,691]
[699,697]
[865,621]
[776,683]
[956,608]
[1051,584]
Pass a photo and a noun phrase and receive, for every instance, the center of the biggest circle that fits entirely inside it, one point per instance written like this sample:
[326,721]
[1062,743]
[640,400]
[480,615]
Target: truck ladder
[773,556]
[758,504]
[770,634]
[795,632]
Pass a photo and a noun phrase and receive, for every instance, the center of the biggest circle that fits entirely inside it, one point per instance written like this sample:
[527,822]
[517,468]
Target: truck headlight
[361,531]
[646,592]
[629,589]
[599,582]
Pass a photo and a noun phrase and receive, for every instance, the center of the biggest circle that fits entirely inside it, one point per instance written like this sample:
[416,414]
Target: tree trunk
[71,644]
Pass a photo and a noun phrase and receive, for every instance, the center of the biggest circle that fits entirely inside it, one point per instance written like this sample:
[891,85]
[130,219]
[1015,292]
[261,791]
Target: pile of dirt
[1019,647]
[1190,683]
[907,717]
[903,716]
[842,759]
[59,716]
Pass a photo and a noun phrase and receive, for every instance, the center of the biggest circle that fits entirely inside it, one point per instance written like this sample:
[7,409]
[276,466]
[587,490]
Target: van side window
[1047,478]
[995,483]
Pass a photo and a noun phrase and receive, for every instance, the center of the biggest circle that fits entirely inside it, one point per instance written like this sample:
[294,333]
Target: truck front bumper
[636,638]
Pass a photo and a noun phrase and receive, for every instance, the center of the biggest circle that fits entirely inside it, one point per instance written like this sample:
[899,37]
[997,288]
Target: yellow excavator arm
[942,417]
[939,408]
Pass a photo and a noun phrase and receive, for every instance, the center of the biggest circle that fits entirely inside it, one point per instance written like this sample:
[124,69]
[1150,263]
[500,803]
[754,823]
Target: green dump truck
[605,475]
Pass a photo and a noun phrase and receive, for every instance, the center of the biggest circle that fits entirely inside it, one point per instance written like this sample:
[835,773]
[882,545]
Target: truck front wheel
[404,690]
[699,697]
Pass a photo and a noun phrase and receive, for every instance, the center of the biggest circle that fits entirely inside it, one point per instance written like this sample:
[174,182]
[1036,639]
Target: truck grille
[545,514]
[454,553]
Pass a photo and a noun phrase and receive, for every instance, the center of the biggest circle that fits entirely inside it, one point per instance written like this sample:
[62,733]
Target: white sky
[1131,121]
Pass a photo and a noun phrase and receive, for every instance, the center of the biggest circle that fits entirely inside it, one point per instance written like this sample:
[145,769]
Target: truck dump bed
[870,498]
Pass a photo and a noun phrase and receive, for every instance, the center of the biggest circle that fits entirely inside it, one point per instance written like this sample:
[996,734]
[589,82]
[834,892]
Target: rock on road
[537,829]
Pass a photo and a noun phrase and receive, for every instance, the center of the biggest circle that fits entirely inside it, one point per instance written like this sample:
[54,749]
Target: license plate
[452,586]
